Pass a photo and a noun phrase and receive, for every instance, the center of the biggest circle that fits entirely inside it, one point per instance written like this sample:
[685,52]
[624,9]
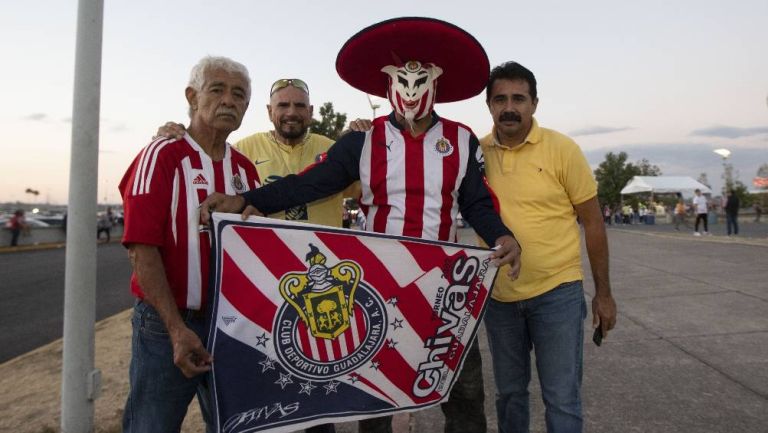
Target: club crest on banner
[322,300]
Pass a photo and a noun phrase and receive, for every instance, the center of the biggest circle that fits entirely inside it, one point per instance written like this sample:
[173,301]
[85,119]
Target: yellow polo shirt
[537,184]
[275,160]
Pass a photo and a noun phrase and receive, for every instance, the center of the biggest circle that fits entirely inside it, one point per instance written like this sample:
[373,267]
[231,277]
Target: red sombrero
[427,40]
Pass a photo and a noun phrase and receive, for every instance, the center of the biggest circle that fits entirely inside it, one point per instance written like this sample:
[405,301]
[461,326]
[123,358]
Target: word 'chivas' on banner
[314,325]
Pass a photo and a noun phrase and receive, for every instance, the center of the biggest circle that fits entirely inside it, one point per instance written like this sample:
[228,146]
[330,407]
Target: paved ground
[32,289]
[690,353]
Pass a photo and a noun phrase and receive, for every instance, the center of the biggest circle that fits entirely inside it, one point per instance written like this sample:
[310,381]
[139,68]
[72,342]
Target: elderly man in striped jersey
[417,169]
[162,191]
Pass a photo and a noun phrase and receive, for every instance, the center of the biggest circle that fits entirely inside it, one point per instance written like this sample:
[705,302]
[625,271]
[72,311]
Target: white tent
[665,184]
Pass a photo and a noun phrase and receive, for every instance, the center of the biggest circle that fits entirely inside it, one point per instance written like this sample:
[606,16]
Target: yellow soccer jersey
[275,160]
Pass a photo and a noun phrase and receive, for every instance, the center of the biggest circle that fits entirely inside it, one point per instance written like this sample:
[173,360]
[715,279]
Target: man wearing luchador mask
[417,169]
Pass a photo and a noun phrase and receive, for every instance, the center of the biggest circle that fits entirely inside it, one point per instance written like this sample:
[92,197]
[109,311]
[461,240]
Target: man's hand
[360,125]
[218,202]
[171,130]
[508,253]
[604,312]
[189,355]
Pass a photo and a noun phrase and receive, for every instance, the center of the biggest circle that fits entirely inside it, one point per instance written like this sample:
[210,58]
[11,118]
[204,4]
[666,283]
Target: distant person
[162,190]
[607,214]
[701,207]
[679,214]
[732,206]
[758,212]
[17,224]
[104,224]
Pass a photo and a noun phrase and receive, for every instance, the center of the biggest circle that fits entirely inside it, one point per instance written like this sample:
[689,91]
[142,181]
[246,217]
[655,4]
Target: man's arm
[603,304]
[476,207]
[189,355]
[340,169]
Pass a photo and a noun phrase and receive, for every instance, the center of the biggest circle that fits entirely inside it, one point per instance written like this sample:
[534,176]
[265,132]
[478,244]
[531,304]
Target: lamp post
[725,153]
[373,101]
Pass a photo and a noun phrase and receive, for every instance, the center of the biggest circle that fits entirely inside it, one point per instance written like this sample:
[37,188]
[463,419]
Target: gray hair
[197,76]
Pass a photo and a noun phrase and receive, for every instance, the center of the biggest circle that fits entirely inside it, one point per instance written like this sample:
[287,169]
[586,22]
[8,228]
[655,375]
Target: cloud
[36,117]
[594,130]
[729,131]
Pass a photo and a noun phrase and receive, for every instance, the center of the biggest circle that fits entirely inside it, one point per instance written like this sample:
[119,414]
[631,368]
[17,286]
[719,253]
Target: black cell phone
[597,336]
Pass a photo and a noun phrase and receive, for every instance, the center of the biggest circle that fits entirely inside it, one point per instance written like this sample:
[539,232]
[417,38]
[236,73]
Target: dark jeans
[551,325]
[732,221]
[701,217]
[15,237]
[159,393]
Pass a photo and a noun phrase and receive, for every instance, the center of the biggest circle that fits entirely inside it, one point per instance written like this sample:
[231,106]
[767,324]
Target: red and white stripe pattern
[408,276]
[162,191]
[410,185]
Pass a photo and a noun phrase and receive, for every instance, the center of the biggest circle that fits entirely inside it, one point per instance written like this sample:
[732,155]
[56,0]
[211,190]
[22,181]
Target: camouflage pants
[464,411]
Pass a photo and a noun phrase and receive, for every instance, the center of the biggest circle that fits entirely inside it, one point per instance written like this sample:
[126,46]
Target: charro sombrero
[427,40]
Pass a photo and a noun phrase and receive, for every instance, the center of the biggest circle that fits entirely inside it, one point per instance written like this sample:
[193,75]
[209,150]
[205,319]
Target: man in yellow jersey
[543,184]
[290,148]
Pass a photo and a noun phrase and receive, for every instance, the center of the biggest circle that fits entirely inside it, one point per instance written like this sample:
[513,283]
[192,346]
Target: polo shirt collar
[533,137]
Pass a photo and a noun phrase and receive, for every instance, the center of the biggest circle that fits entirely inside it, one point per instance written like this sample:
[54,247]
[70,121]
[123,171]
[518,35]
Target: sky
[668,81]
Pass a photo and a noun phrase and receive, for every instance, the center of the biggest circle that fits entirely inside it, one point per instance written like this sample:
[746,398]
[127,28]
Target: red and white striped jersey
[410,185]
[162,190]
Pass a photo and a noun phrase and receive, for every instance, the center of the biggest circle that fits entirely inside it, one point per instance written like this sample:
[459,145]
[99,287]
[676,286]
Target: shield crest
[323,296]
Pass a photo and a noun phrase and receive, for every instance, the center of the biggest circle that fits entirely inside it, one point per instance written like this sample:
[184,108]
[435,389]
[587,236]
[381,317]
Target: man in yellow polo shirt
[543,184]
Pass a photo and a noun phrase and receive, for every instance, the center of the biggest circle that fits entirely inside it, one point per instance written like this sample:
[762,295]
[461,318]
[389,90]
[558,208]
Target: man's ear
[535,105]
[311,111]
[269,111]
[191,95]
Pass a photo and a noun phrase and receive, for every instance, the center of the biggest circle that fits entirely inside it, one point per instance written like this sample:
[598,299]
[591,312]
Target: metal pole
[80,381]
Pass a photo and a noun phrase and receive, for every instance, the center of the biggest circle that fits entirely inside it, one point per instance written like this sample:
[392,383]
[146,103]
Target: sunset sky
[666,81]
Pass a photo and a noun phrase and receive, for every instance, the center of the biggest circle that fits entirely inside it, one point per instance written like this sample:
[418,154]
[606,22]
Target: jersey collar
[393,120]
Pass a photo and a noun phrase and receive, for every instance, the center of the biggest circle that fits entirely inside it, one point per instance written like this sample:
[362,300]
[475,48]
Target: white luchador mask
[412,88]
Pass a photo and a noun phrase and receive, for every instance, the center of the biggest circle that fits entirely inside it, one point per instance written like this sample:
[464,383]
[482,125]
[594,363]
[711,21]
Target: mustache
[226,111]
[509,116]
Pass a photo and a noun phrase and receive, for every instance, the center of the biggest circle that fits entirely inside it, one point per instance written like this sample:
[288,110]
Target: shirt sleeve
[576,176]
[337,171]
[146,190]
[475,201]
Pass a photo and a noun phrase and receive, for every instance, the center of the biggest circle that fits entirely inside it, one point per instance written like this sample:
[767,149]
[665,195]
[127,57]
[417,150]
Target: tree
[703,180]
[647,169]
[330,124]
[762,171]
[614,173]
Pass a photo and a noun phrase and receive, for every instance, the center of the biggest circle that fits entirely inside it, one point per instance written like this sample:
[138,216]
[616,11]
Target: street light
[725,153]
[375,103]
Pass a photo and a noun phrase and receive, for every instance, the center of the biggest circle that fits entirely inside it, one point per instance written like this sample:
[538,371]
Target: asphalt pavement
[689,353]
[32,293]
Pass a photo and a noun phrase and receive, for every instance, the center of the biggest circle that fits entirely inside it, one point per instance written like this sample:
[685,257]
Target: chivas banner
[314,325]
